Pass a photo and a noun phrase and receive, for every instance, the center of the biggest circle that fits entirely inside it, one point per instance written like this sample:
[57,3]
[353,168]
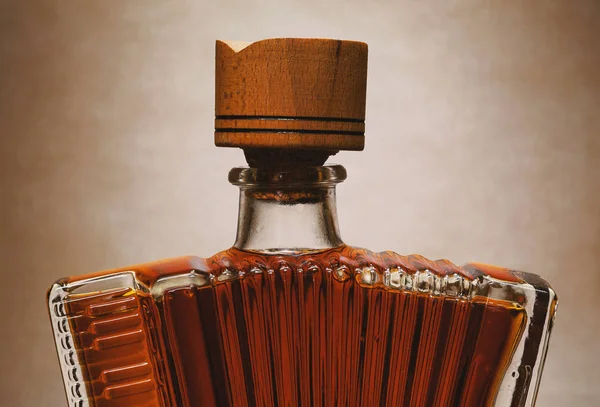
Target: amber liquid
[296,330]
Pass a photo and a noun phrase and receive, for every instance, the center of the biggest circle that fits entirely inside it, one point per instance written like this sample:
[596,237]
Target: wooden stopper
[291,93]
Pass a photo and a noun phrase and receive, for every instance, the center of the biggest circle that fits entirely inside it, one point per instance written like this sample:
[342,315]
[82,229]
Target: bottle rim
[300,176]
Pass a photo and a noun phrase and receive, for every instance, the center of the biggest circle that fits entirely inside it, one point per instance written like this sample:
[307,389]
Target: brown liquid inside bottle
[312,329]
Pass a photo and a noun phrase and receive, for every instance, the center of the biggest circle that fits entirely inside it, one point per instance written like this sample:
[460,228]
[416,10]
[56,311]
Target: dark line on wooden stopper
[301,131]
[307,118]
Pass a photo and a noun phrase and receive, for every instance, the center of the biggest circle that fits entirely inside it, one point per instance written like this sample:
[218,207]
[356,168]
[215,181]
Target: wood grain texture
[291,93]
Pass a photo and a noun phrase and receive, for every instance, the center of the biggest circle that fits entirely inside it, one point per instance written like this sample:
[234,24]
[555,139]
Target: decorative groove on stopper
[291,93]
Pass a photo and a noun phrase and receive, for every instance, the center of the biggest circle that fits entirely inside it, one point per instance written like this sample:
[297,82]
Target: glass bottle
[290,315]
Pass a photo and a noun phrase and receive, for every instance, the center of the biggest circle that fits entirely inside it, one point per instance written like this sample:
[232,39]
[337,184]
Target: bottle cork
[291,93]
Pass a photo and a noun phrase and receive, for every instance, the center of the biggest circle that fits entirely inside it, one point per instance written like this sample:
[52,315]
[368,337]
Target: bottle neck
[287,211]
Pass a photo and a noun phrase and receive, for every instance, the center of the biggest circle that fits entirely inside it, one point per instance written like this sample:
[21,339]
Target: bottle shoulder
[387,269]
[146,274]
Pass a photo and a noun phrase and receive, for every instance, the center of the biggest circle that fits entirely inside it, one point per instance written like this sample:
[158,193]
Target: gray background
[482,144]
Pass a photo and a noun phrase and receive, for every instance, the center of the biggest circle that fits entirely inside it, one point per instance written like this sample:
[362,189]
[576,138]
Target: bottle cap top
[291,93]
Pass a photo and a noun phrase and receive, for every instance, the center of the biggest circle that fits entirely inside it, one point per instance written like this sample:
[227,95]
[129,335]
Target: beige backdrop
[483,144]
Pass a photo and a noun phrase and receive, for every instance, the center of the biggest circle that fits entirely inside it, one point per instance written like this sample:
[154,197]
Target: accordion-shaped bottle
[290,315]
